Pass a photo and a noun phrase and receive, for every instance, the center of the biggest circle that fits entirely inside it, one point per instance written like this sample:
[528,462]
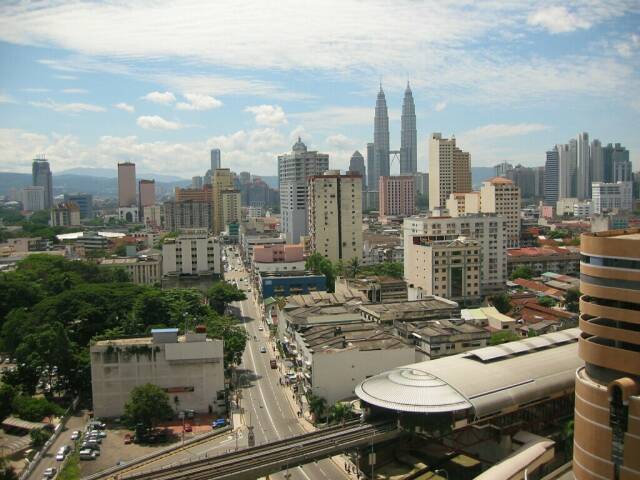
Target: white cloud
[4,98]
[440,106]
[125,106]
[66,77]
[340,141]
[557,19]
[271,115]
[500,130]
[198,101]
[75,90]
[628,48]
[34,90]
[166,98]
[68,107]
[158,123]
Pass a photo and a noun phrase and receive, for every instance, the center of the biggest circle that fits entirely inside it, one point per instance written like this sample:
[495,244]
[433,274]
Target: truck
[273,363]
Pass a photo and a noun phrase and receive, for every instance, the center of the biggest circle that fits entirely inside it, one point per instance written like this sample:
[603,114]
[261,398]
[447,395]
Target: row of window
[610,262]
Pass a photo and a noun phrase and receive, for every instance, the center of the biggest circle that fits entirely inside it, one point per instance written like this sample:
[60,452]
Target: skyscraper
[567,170]
[380,140]
[620,165]
[449,170]
[222,182]
[597,161]
[215,160]
[551,177]
[293,171]
[371,170]
[41,177]
[356,164]
[127,184]
[607,404]
[335,215]
[583,166]
[146,195]
[408,135]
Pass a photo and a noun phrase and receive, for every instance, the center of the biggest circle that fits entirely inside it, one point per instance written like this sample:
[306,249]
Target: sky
[160,82]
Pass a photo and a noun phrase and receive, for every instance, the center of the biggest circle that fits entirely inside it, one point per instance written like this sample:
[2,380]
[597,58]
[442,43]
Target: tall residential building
[127,184]
[397,196]
[84,202]
[188,214]
[380,140]
[617,166]
[335,215]
[222,182]
[356,164]
[449,170]
[488,230]
[612,196]
[597,161]
[408,135]
[146,193]
[607,404]
[567,169]
[32,198]
[294,169]
[459,204]
[41,177]
[501,196]
[584,172]
[551,176]
[193,252]
[215,160]
[231,207]
[371,169]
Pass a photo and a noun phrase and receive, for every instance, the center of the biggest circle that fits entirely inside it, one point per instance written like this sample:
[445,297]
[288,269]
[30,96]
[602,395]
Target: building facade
[215,159]
[187,214]
[146,194]
[607,396]
[408,135]
[190,369]
[127,184]
[84,201]
[356,164]
[449,170]
[294,169]
[191,253]
[609,197]
[222,184]
[141,270]
[65,215]
[33,198]
[335,215]
[502,197]
[41,177]
[396,196]
[380,158]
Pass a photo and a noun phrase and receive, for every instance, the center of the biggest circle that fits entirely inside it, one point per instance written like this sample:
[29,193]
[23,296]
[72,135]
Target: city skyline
[98,99]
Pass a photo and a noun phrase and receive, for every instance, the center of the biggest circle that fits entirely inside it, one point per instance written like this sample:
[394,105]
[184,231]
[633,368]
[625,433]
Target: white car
[60,457]
[50,472]
[75,435]
[263,349]
[261,328]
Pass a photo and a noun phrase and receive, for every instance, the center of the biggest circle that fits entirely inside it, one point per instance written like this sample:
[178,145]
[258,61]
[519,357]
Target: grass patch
[71,470]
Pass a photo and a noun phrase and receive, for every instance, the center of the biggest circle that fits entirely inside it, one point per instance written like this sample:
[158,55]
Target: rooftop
[325,298]
[362,336]
[541,251]
[430,303]
[438,328]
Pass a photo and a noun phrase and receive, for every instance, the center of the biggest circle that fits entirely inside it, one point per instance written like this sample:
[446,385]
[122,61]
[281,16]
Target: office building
[153,216]
[567,168]
[127,184]
[196,182]
[617,166]
[215,160]
[488,230]
[380,166]
[396,196]
[32,199]
[370,167]
[189,368]
[607,391]
[293,171]
[278,258]
[41,177]
[231,207]
[203,194]
[146,195]
[193,252]
[65,215]
[501,196]
[551,176]
[502,169]
[408,135]
[422,183]
[284,284]
[143,270]
[449,170]
[222,182]
[187,214]
[356,164]
[529,180]
[335,215]
[609,197]
[584,173]
[597,161]
[84,201]
[445,268]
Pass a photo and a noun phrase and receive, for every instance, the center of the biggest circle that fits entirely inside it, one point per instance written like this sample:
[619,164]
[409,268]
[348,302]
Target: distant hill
[113,173]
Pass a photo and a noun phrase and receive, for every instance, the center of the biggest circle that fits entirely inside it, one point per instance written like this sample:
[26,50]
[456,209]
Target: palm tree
[340,412]
[317,406]
[354,267]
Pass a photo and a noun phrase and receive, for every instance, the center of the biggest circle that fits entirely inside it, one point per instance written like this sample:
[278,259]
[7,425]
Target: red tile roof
[538,287]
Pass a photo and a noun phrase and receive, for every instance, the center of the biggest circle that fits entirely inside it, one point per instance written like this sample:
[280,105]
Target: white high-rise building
[449,170]
[567,170]
[551,176]
[584,166]
[501,196]
[294,169]
[408,135]
[335,215]
[612,197]
[33,198]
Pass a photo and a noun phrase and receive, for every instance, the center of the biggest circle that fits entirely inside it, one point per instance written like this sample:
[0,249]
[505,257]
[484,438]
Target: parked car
[75,435]
[50,472]
[261,328]
[60,457]
[188,427]
[128,439]
[218,423]
[87,454]
[189,413]
[263,349]
[96,425]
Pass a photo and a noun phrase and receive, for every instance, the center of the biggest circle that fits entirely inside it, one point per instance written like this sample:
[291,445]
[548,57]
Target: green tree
[234,336]
[499,338]
[7,472]
[147,405]
[152,308]
[317,406]
[522,272]
[34,409]
[546,301]
[572,300]
[340,412]
[7,395]
[353,267]
[39,437]
[321,265]
[502,302]
[221,294]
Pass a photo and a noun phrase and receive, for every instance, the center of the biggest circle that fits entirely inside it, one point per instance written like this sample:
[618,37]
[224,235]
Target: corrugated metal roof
[460,382]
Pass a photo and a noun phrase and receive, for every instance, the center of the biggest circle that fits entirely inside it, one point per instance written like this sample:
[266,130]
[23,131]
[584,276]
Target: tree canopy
[321,265]
[221,294]
[522,272]
[147,405]
[502,302]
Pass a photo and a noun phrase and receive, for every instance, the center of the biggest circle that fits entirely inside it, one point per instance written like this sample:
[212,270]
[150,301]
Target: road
[266,407]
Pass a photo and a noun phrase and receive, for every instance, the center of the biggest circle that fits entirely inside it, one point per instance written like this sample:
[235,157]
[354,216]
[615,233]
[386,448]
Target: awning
[14,422]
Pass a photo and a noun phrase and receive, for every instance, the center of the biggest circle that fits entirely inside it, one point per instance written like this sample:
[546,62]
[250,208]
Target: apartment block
[335,215]
[194,252]
[397,196]
[502,197]
[187,214]
[449,170]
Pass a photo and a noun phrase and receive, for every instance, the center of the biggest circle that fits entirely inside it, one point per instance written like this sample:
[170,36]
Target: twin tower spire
[378,152]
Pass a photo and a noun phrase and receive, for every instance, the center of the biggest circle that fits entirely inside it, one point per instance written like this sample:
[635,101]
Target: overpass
[255,462]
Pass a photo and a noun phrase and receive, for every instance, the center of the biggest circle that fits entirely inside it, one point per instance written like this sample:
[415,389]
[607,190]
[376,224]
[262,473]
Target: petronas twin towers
[378,152]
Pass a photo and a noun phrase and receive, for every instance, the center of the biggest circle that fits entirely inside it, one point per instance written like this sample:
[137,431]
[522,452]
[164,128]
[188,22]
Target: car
[219,422]
[50,472]
[190,413]
[75,435]
[64,449]
[128,439]
[87,454]
[96,425]
[60,457]
[261,328]
[188,427]
[263,349]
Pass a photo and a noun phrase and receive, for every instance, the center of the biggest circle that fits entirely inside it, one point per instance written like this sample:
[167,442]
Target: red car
[127,439]
[187,427]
